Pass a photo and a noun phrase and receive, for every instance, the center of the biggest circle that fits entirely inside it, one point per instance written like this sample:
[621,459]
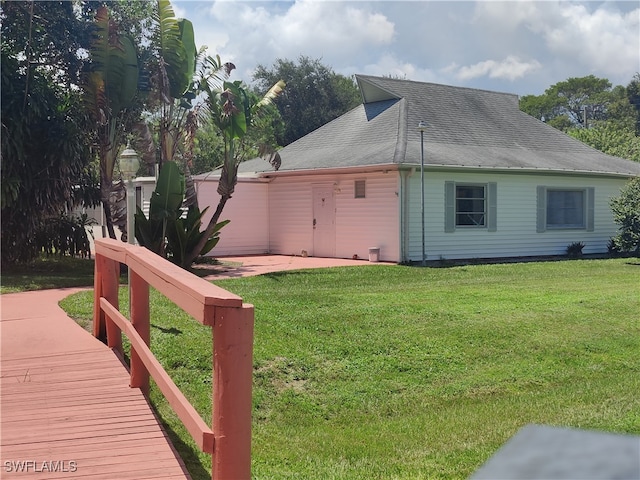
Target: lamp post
[129,165]
[421,128]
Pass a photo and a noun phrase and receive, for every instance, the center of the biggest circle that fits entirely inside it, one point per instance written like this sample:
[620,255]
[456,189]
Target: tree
[172,68]
[164,74]
[633,94]
[110,89]
[45,154]
[208,151]
[563,105]
[315,95]
[168,232]
[589,110]
[626,213]
[235,111]
[610,139]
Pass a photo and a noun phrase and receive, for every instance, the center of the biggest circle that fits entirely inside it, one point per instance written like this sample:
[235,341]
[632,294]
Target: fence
[231,320]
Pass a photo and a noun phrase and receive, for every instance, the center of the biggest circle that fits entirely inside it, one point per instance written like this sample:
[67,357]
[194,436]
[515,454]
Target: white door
[324,221]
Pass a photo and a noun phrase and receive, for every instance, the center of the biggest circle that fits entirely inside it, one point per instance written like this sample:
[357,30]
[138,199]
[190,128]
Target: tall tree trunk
[190,194]
[105,194]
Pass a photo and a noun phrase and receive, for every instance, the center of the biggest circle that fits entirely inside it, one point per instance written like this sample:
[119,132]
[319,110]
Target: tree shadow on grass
[169,331]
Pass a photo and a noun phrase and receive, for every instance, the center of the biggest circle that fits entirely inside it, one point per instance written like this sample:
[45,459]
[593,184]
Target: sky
[518,47]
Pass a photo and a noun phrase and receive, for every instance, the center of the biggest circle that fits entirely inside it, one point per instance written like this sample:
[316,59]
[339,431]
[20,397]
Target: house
[497,183]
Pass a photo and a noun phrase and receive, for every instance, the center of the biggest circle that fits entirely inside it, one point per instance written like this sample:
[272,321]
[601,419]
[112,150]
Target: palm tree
[109,91]
[233,110]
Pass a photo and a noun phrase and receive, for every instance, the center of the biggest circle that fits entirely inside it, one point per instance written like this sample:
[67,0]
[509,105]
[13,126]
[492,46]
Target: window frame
[451,206]
[473,200]
[588,200]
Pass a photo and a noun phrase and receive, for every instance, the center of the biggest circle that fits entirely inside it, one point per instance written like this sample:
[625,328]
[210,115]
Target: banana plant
[167,232]
[164,209]
[232,109]
[109,92]
[184,234]
[172,77]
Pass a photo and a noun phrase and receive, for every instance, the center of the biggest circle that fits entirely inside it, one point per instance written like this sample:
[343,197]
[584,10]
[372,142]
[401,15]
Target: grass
[392,372]
[47,272]
[62,272]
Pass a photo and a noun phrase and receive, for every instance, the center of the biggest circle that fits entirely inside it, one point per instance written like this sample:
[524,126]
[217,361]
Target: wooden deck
[66,408]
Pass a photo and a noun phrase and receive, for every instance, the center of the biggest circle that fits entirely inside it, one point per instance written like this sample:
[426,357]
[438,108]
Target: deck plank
[65,397]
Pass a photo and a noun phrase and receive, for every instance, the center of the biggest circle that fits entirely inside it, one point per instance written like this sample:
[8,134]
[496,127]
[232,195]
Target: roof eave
[331,171]
[520,170]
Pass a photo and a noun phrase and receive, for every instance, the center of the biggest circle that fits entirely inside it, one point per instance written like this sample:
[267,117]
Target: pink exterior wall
[248,232]
[277,217]
[360,223]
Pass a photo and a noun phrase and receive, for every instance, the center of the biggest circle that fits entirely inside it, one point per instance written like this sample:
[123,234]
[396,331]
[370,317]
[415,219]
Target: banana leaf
[149,232]
[168,196]
[184,234]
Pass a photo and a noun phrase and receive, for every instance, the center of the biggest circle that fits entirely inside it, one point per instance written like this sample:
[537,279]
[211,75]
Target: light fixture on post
[129,165]
[421,128]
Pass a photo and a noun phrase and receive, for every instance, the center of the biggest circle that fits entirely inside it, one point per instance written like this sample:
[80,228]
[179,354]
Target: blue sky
[516,46]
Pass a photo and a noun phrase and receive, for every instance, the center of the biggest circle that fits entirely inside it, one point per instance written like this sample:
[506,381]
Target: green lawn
[47,272]
[393,372]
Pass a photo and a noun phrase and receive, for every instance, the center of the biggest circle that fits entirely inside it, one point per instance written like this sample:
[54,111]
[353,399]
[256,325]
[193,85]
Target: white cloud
[506,15]
[517,46]
[333,31]
[605,41]
[510,68]
[178,11]
[334,25]
[390,65]
[596,39]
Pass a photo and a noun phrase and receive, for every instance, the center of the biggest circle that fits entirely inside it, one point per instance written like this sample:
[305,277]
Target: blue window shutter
[449,207]
[590,201]
[492,206]
[541,221]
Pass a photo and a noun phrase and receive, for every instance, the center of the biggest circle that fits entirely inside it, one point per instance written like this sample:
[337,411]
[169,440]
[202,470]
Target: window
[359,187]
[470,205]
[565,208]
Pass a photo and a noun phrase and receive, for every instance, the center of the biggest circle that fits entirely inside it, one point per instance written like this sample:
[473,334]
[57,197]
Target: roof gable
[372,92]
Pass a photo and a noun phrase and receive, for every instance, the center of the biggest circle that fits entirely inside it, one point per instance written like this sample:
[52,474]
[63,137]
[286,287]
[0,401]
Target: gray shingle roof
[465,127]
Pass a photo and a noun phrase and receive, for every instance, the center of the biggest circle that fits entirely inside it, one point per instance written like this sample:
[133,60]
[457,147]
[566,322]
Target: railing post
[139,301]
[109,289]
[232,379]
[99,329]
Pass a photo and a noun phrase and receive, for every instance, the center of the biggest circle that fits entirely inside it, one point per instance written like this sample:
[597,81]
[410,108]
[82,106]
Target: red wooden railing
[229,440]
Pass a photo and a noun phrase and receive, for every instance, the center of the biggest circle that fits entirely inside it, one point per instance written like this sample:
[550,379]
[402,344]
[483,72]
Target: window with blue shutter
[470,205]
[565,208]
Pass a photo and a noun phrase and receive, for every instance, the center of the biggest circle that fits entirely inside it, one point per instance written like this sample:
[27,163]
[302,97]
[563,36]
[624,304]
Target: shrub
[65,235]
[574,250]
[626,213]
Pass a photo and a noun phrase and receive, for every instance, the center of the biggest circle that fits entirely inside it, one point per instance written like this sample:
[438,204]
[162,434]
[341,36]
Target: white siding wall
[361,223]
[99,230]
[248,231]
[516,218]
